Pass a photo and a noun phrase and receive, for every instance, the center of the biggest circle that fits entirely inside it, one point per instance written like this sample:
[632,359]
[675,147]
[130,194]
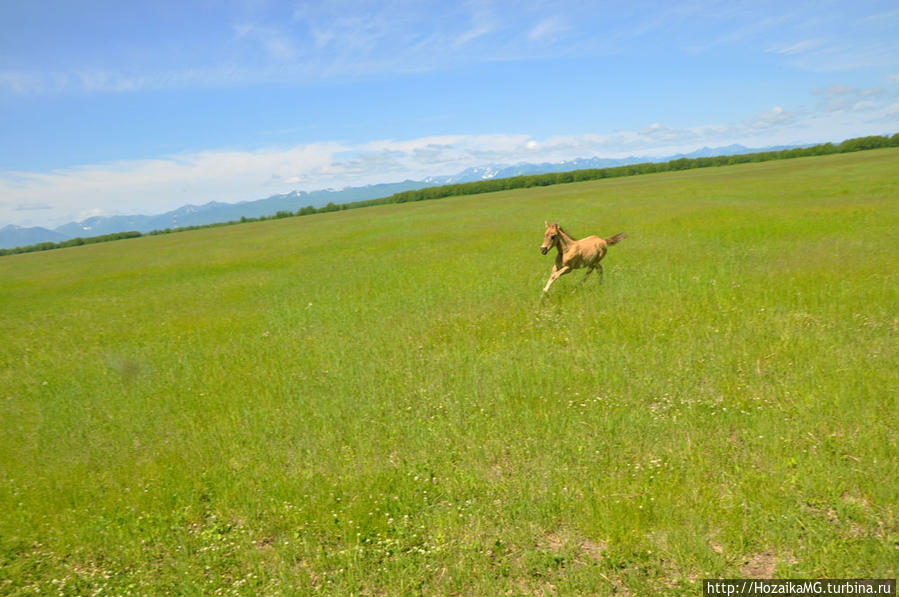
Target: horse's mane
[565,232]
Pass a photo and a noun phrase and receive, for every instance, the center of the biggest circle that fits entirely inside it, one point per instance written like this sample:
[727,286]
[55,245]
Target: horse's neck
[564,241]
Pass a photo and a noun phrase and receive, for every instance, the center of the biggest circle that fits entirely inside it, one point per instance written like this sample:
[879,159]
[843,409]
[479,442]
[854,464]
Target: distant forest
[515,182]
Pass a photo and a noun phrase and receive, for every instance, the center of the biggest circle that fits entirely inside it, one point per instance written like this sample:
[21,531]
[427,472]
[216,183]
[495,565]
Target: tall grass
[380,400]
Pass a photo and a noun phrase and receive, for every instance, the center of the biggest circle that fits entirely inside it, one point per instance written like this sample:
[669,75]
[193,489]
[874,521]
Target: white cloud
[776,116]
[157,185]
[153,186]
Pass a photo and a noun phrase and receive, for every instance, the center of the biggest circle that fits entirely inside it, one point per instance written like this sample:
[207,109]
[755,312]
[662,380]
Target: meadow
[381,401]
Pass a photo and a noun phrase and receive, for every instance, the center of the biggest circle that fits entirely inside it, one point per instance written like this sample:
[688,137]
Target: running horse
[575,254]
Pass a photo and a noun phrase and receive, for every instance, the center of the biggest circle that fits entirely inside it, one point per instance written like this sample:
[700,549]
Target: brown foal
[575,254]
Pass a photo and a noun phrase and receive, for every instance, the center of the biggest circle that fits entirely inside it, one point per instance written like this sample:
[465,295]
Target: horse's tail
[614,240]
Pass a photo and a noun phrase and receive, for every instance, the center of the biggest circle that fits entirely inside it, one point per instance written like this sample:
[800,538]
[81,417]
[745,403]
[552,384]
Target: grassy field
[379,401]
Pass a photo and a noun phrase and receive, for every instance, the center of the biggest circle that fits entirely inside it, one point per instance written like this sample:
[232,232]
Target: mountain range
[214,212]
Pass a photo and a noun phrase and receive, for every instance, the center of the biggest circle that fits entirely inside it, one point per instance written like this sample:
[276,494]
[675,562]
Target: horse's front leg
[557,271]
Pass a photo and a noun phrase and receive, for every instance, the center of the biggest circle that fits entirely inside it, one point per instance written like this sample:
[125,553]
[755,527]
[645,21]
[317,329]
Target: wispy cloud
[30,83]
[274,41]
[838,97]
[889,18]
[846,55]
[482,22]
[749,30]
[23,83]
[316,41]
[798,47]
[549,29]
[33,207]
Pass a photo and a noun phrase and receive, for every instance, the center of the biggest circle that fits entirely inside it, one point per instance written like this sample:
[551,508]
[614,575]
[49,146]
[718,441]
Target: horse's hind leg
[599,269]
[587,275]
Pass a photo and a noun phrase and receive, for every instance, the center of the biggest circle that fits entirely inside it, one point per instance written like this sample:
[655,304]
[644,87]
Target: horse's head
[550,237]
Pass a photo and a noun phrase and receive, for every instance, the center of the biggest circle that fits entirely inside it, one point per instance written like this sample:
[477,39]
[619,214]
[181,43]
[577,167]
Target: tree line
[72,242]
[515,182]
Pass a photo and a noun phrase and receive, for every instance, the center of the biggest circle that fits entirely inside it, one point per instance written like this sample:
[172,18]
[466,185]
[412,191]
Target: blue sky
[111,107]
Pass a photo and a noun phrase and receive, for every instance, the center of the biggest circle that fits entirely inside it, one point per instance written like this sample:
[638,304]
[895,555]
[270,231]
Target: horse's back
[590,250]
[596,244]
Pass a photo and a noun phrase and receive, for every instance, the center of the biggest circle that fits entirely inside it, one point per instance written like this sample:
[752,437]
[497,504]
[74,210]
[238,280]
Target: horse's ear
[545,223]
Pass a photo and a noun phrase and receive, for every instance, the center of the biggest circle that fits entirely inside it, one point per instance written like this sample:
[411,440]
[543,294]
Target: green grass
[380,401]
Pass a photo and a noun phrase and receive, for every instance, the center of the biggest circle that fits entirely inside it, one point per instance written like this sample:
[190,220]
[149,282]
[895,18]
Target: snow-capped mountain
[214,211]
